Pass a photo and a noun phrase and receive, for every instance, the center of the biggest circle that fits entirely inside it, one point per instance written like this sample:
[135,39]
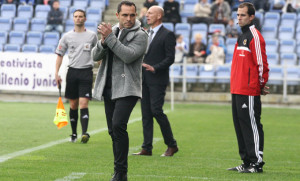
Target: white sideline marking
[72,176]
[136,148]
[4,158]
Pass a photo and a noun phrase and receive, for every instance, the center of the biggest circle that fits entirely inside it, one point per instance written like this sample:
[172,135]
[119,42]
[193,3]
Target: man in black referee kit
[79,43]
[249,75]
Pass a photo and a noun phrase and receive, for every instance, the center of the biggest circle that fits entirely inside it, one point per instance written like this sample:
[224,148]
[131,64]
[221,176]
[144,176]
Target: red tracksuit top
[249,69]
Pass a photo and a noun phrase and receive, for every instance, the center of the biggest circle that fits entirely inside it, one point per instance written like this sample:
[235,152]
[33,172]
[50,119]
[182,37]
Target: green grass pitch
[204,132]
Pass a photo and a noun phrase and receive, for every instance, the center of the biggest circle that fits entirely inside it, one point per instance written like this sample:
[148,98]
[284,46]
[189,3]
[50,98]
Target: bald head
[154,16]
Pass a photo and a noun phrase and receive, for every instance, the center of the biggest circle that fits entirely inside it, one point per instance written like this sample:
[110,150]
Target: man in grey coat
[119,80]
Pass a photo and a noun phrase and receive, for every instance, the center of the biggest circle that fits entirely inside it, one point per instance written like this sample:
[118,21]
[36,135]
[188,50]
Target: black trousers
[152,106]
[246,112]
[117,115]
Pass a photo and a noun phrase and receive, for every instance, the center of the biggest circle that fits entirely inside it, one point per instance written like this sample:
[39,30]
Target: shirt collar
[155,30]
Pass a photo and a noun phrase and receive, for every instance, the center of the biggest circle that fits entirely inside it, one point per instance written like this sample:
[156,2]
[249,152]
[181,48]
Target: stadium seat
[11,48]
[271,4]
[271,45]
[176,72]
[72,9]
[223,74]
[25,11]
[169,26]
[65,11]
[230,44]
[98,4]
[273,58]
[293,75]
[65,3]
[91,25]
[189,5]
[287,46]
[206,74]
[27,48]
[8,10]
[69,25]
[51,38]
[216,27]
[228,57]
[41,11]
[260,16]
[271,19]
[1,47]
[5,24]
[183,29]
[185,14]
[21,24]
[297,36]
[16,37]
[34,37]
[3,37]
[288,58]
[191,73]
[80,3]
[298,48]
[47,49]
[288,19]
[269,31]
[94,14]
[286,33]
[38,24]
[275,76]
[202,29]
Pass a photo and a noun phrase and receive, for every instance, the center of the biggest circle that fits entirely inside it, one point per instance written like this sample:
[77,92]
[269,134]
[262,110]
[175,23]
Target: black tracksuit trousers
[246,112]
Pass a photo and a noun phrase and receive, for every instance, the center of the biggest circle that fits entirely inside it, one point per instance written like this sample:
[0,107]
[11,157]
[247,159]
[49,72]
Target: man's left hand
[264,91]
[148,67]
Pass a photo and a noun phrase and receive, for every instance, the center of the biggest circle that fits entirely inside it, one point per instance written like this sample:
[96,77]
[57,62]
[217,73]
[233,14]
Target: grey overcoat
[128,52]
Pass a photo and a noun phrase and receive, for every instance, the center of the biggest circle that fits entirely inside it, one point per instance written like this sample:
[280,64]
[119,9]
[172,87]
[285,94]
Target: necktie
[117,32]
[150,39]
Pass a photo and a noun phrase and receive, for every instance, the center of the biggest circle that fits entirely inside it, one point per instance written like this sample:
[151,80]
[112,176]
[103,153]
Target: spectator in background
[181,49]
[231,29]
[10,2]
[26,2]
[197,50]
[221,11]
[45,2]
[216,52]
[202,13]
[150,3]
[143,19]
[171,9]
[55,18]
[291,6]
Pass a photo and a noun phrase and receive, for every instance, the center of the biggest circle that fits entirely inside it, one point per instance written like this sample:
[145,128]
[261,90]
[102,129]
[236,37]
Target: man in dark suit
[159,57]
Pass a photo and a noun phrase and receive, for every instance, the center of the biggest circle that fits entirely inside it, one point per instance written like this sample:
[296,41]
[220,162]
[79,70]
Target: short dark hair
[250,6]
[80,10]
[126,3]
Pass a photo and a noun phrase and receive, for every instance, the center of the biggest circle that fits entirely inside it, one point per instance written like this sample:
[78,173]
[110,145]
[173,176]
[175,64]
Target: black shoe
[119,176]
[239,168]
[73,138]
[85,138]
[254,168]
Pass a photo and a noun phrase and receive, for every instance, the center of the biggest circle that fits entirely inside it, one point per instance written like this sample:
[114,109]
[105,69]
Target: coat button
[123,75]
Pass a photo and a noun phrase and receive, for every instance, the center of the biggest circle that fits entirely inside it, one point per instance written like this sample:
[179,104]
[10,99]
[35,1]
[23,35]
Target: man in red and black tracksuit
[249,75]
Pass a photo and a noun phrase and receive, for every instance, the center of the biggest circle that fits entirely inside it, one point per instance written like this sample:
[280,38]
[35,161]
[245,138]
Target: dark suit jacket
[160,55]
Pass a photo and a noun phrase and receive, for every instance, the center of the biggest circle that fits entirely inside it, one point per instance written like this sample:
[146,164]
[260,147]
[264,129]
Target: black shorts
[79,83]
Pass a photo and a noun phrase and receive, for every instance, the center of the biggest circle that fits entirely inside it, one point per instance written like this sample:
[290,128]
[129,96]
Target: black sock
[74,120]
[84,119]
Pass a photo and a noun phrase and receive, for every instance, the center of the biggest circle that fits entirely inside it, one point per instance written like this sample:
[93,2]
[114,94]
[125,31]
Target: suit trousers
[152,106]
[117,115]
[246,113]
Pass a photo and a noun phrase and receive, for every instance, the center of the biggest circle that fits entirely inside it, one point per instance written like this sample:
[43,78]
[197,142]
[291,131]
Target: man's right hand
[57,79]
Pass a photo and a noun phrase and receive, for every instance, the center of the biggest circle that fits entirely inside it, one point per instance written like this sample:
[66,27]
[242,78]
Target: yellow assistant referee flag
[61,118]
